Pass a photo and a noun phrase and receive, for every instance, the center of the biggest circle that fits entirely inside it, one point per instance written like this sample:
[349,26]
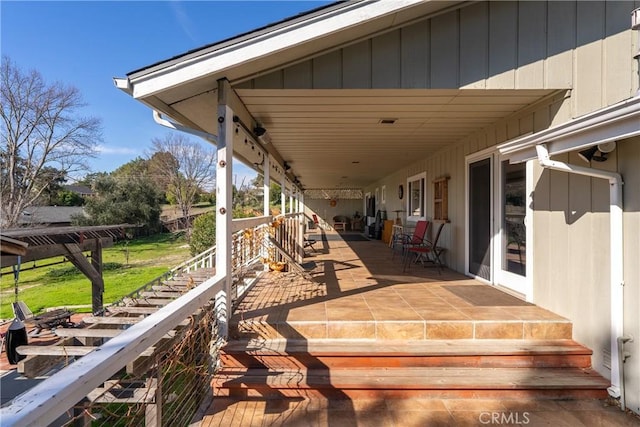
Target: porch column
[283,194]
[291,199]
[266,187]
[224,215]
[302,219]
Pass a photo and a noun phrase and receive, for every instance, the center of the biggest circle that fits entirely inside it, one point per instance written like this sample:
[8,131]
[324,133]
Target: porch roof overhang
[330,138]
[613,123]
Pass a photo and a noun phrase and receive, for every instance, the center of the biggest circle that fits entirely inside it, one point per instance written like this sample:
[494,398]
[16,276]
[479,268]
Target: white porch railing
[44,403]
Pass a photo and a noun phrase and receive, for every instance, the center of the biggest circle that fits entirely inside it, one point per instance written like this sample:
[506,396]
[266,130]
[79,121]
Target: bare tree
[186,166]
[41,132]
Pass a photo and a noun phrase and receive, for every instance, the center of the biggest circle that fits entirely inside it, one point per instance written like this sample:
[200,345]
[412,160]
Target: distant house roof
[83,190]
[54,215]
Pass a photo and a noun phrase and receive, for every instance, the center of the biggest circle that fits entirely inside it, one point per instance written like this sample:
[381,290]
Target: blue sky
[88,43]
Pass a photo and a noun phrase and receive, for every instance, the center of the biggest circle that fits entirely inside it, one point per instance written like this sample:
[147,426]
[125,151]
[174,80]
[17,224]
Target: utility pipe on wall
[616,254]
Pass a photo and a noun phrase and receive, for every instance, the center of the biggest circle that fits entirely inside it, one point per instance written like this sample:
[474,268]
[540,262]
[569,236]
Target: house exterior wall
[628,161]
[488,45]
[584,47]
[571,247]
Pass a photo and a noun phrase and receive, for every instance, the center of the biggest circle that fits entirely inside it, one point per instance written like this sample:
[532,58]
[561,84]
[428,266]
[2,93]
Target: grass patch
[126,267]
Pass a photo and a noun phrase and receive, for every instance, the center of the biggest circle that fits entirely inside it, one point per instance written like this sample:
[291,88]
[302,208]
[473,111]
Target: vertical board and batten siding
[571,247]
[584,46]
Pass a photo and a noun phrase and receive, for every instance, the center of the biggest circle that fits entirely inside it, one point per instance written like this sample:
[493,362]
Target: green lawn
[63,285]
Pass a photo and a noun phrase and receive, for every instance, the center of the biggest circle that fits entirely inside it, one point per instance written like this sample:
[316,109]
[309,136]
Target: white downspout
[157,117]
[616,254]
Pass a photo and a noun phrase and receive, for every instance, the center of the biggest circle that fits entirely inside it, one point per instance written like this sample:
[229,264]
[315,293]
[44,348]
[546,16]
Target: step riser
[330,362]
[271,393]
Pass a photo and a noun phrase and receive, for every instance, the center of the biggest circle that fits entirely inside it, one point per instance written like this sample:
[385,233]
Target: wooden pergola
[31,244]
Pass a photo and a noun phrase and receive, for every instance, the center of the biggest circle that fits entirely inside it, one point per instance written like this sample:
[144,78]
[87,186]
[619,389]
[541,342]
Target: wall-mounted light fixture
[287,167]
[259,130]
[597,153]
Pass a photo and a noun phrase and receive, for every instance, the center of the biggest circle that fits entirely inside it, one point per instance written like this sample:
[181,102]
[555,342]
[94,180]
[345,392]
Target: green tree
[187,166]
[68,198]
[41,131]
[50,180]
[135,168]
[203,235]
[123,201]
[90,178]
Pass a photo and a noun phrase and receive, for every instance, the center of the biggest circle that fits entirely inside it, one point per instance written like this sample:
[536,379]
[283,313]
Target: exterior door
[479,218]
[513,207]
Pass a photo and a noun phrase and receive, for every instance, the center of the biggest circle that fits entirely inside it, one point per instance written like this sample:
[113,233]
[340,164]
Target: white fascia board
[619,121]
[266,44]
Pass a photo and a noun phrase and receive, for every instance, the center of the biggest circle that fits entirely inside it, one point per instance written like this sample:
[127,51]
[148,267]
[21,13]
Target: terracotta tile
[395,314]
[532,313]
[442,314]
[400,330]
[303,330]
[449,330]
[351,330]
[547,330]
[356,313]
[487,313]
[307,314]
[498,330]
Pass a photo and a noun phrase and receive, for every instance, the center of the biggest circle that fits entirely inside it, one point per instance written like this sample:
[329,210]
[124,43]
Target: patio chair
[340,222]
[429,252]
[402,241]
[308,243]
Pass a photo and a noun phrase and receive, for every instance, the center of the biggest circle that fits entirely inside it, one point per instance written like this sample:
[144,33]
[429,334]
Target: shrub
[203,235]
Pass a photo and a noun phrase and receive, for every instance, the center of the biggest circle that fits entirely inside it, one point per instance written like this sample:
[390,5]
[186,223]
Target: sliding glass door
[513,210]
[480,213]
[499,234]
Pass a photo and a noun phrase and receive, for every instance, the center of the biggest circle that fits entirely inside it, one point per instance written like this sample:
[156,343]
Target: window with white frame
[377,198]
[416,196]
[383,194]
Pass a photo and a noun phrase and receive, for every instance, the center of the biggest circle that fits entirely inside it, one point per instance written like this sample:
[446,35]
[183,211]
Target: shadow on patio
[366,344]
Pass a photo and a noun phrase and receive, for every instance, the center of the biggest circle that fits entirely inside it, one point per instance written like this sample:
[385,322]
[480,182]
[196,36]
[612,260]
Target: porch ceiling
[335,139]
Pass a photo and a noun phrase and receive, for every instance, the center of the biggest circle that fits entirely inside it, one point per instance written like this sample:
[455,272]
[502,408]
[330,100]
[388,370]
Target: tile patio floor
[359,291]
[365,294]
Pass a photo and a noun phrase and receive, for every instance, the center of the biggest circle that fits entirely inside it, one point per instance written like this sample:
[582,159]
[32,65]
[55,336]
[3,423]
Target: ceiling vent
[387,121]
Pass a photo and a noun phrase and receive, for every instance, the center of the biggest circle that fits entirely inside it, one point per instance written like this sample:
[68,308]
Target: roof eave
[218,59]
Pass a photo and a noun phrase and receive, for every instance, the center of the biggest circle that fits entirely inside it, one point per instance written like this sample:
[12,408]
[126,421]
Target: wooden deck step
[412,382]
[278,354]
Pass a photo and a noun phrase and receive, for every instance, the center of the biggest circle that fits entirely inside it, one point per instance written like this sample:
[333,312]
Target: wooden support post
[97,288]
[301,228]
[224,202]
[75,256]
[153,411]
[266,187]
